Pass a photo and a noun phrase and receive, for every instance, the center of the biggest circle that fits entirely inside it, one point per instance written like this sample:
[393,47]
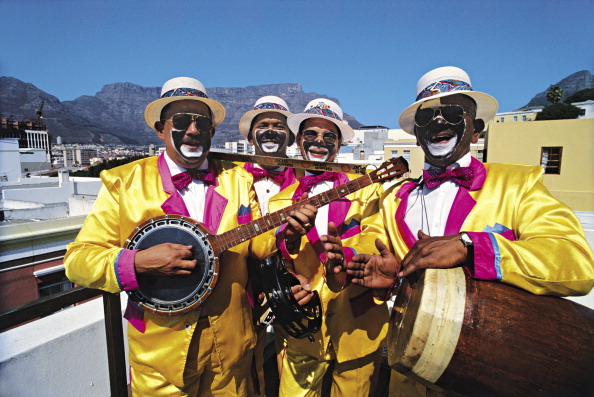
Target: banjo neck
[394,168]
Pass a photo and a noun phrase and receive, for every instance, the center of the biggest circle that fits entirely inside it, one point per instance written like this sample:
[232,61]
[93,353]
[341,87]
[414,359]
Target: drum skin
[509,342]
[174,295]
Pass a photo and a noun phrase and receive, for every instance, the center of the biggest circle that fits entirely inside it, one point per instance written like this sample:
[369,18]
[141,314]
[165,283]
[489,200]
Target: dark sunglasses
[182,121]
[328,137]
[452,114]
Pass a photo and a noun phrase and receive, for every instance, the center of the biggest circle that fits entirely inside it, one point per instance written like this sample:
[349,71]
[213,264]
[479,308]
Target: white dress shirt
[428,209]
[194,194]
[265,189]
[322,216]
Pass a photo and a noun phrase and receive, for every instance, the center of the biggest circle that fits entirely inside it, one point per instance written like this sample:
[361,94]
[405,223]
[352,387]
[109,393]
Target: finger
[422,235]
[381,247]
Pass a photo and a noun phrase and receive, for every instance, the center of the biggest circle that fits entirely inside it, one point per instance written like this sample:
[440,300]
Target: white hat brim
[486,107]
[152,113]
[295,121]
[246,120]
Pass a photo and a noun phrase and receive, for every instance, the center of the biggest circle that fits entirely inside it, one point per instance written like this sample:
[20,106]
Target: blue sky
[368,54]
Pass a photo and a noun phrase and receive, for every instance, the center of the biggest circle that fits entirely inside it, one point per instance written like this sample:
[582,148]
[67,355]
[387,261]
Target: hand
[299,223]
[434,252]
[374,271]
[302,292]
[165,259]
[336,278]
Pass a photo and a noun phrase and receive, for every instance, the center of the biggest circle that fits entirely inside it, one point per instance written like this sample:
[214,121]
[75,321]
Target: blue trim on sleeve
[115,269]
[497,252]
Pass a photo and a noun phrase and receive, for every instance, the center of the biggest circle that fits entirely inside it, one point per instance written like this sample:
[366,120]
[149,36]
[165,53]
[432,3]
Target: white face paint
[442,149]
[185,150]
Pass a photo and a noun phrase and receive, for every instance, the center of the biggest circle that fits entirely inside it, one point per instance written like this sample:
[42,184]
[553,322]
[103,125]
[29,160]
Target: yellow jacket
[522,235]
[130,195]
[357,219]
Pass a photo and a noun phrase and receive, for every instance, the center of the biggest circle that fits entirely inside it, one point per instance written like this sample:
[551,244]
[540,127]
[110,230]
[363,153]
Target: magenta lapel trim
[214,207]
[340,208]
[174,203]
[403,193]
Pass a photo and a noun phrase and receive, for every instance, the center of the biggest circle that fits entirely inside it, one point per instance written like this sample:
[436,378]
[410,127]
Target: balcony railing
[113,326]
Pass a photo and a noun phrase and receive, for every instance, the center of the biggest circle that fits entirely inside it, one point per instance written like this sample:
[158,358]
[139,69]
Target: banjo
[175,295]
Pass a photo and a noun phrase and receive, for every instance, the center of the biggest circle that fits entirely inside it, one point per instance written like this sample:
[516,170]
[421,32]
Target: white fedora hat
[322,108]
[269,103]
[182,88]
[444,81]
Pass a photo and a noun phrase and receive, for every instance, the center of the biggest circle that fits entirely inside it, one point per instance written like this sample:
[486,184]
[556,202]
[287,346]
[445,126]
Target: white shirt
[428,209]
[265,189]
[322,216]
[194,194]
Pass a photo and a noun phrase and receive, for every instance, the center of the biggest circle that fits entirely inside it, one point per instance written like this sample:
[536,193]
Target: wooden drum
[481,338]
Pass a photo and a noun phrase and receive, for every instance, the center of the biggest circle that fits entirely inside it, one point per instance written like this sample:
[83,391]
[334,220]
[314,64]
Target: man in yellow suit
[206,351]
[353,327]
[497,221]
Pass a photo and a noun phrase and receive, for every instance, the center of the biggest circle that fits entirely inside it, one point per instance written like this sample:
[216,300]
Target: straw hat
[444,81]
[269,103]
[322,108]
[182,88]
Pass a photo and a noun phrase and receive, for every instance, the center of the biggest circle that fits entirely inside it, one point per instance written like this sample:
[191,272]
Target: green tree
[559,111]
[554,94]
[581,96]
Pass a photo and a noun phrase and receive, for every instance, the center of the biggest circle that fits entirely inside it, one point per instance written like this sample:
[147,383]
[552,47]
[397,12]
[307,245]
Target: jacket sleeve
[96,258]
[546,253]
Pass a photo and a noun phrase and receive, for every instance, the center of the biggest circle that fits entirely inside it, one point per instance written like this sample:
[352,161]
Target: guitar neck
[273,220]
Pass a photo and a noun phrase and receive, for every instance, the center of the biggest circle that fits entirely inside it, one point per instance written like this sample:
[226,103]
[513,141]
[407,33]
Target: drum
[175,295]
[482,338]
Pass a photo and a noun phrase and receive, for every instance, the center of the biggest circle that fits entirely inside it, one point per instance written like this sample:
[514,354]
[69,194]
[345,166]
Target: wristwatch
[465,238]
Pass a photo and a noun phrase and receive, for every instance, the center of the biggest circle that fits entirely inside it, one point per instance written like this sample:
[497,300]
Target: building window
[480,155]
[394,153]
[550,159]
[515,118]
[406,155]
[524,118]
[53,286]
[502,119]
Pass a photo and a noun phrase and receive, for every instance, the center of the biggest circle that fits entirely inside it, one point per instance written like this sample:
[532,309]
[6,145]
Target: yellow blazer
[522,235]
[357,219]
[134,193]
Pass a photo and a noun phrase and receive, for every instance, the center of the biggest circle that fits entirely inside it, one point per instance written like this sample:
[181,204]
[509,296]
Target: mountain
[570,85]
[116,113]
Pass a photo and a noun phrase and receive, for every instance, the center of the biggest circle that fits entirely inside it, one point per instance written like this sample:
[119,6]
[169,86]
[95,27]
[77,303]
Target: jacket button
[188,326]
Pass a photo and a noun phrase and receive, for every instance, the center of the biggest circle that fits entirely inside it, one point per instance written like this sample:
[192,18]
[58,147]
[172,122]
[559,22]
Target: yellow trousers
[302,375]
[202,375]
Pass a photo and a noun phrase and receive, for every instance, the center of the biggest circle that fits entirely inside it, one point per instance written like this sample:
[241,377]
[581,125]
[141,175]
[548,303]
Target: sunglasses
[328,137]
[182,121]
[452,114]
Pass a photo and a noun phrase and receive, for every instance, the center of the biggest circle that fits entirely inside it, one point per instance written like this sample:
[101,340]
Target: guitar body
[298,321]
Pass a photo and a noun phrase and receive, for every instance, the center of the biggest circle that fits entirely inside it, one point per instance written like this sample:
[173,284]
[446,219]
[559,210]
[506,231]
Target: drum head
[175,293]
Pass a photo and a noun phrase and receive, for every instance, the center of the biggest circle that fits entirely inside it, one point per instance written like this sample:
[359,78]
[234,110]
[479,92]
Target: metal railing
[113,326]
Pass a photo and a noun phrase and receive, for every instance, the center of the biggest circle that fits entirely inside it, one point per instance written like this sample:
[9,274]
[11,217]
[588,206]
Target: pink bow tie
[433,177]
[183,179]
[306,182]
[277,177]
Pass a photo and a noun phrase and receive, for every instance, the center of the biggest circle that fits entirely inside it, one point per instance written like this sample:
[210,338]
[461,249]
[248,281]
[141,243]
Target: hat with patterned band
[444,81]
[178,89]
[269,103]
[322,108]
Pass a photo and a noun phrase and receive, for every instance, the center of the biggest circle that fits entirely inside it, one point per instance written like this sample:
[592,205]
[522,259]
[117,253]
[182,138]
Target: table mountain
[570,85]
[116,113]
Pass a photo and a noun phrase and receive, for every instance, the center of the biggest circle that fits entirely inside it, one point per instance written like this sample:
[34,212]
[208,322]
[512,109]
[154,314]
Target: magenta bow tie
[306,182]
[433,177]
[183,179]
[277,177]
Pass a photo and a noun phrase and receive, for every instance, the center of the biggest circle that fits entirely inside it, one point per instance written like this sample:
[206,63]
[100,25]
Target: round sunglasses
[182,121]
[452,114]
[328,137]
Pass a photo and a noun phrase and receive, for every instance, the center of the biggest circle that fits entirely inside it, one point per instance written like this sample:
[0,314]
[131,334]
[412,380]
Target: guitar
[174,295]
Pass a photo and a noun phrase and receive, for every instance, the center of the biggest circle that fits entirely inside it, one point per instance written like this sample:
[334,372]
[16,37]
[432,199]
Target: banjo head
[173,295]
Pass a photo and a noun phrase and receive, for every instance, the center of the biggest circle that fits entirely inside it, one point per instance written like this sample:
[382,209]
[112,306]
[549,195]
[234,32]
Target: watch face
[465,239]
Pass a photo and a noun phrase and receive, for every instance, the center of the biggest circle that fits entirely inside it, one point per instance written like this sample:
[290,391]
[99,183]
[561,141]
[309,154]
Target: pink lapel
[174,203]
[403,194]
[339,209]
[214,207]
[289,178]
[464,203]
